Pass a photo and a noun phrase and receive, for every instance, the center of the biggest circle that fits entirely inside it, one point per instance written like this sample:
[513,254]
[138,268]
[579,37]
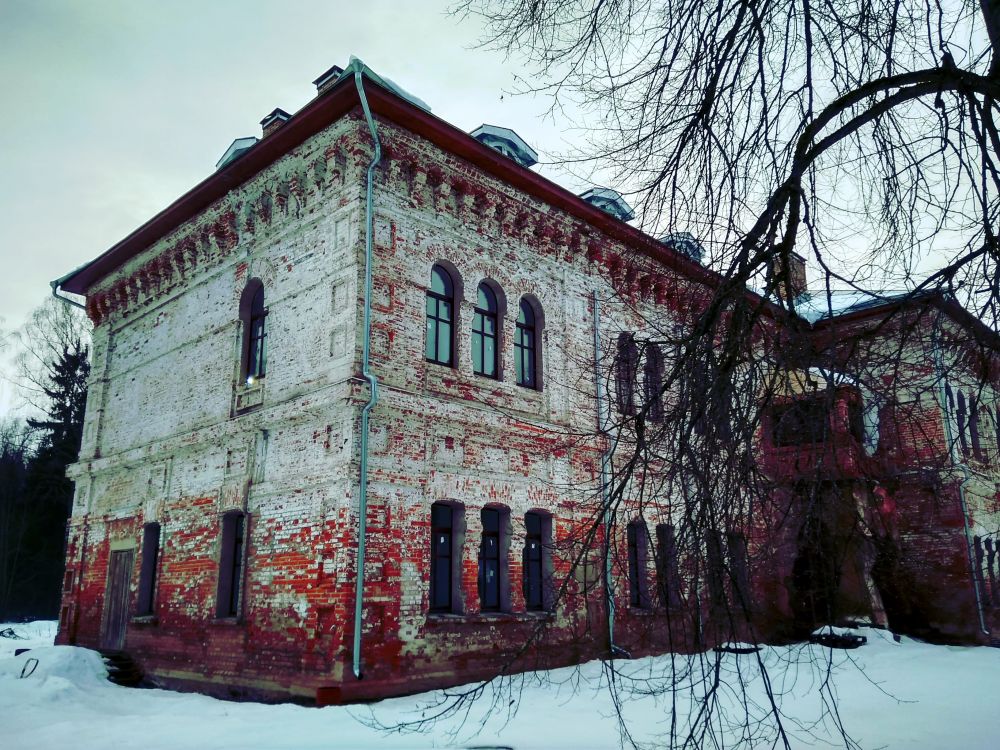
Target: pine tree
[48,492]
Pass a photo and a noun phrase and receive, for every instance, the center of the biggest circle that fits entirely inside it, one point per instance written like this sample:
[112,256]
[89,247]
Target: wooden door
[117,599]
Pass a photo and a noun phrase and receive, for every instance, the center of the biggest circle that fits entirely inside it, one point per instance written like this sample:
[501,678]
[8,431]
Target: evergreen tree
[47,491]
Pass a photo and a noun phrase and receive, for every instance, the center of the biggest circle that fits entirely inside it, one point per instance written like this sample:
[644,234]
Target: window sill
[485,618]
[226,621]
[145,620]
[248,397]
[642,611]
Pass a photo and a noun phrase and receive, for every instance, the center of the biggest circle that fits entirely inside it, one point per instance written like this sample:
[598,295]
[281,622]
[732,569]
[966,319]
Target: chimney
[795,284]
[274,120]
[327,79]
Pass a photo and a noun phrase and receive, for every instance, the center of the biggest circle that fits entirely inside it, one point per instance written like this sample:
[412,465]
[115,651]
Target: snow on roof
[814,307]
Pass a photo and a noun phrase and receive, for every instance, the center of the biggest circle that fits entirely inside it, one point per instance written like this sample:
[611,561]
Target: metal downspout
[359,589]
[602,420]
[950,440]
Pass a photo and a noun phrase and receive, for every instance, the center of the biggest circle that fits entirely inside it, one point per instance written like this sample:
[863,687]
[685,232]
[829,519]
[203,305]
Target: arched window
[484,333]
[440,317]
[626,369]
[253,313]
[526,347]
[653,383]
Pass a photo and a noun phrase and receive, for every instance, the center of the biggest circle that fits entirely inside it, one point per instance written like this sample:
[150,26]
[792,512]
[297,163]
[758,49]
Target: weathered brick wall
[164,441]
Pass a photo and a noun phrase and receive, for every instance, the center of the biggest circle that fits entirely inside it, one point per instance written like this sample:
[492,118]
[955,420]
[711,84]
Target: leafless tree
[52,328]
[861,136]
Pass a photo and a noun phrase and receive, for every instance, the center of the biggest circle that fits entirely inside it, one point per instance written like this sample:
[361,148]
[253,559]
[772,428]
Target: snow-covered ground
[888,695]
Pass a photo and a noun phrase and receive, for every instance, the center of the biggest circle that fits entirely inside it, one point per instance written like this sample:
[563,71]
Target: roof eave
[326,109]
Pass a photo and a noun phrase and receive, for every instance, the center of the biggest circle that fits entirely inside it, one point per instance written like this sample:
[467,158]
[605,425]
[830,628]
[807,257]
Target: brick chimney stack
[327,79]
[274,120]
[795,285]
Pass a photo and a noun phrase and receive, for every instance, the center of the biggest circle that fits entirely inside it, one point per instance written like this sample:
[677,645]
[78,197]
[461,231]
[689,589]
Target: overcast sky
[114,108]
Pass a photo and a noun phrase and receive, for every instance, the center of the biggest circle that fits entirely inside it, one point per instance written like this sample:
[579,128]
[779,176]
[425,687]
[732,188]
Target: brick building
[232,435]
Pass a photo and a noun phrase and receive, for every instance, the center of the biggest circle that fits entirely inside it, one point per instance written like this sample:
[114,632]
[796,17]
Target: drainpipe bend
[367,374]
[56,288]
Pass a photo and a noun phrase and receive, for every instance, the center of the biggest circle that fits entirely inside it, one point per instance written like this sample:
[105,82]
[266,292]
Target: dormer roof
[507,142]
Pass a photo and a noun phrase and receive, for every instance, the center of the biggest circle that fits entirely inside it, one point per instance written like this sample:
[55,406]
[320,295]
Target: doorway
[116,599]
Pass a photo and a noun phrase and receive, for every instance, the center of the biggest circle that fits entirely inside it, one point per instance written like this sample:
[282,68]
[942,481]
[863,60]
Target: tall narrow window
[257,348]
[489,561]
[739,569]
[716,568]
[963,423]
[626,369]
[146,603]
[977,445]
[667,573]
[440,317]
[653,382]
[525,343]
[231,565]
[636,539]
[534,561]
[442,528]
[484,333]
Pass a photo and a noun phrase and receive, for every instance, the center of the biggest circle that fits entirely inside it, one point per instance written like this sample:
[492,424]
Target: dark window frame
[626,372]
[492,589]
[739,569]
[146,595]
[963,424]
[232,565]
[440,319]
[526,347]
[715,569]
[652,381]
[443,558]
[668,566]
[637,542]
[534,560]
[482,315]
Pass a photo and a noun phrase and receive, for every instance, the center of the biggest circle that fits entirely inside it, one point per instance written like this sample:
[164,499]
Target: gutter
[360,69]
[950,440]
[602,420]
[57,287]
